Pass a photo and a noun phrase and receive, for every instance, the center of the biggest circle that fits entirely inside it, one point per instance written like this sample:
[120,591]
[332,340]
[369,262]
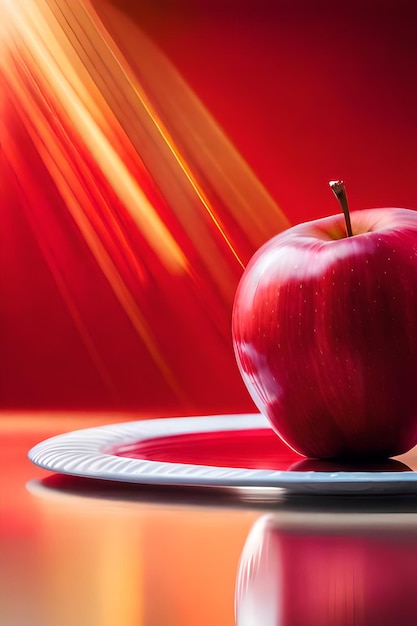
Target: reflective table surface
[96,553]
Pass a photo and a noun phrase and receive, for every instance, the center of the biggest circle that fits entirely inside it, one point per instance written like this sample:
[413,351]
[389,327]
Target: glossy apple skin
[325,334]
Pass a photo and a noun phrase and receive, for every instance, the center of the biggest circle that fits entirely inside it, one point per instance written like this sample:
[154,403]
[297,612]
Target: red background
[307,92]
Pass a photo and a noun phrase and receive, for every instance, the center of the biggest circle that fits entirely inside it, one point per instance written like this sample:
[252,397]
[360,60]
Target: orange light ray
[59,76]
[79,205]
[161,198]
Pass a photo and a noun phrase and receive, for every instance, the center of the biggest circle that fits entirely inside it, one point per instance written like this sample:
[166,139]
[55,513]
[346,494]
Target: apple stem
[339,190]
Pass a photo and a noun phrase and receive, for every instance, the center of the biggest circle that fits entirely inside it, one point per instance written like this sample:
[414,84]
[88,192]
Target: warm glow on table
[68,559]
[87,552]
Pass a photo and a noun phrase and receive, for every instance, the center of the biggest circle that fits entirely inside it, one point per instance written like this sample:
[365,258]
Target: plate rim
[85,453]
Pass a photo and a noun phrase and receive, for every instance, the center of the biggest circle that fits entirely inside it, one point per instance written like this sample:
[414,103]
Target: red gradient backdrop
[147,150]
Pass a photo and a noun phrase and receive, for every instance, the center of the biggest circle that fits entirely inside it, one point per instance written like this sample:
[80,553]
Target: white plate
[87,453]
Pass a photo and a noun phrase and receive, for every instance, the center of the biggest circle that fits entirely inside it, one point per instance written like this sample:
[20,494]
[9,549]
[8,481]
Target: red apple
[325,334]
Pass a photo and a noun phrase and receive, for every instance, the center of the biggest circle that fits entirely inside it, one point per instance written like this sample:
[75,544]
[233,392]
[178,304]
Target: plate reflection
[331,568]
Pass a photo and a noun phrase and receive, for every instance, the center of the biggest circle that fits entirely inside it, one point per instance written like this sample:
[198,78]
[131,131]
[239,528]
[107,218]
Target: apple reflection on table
[345,568]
